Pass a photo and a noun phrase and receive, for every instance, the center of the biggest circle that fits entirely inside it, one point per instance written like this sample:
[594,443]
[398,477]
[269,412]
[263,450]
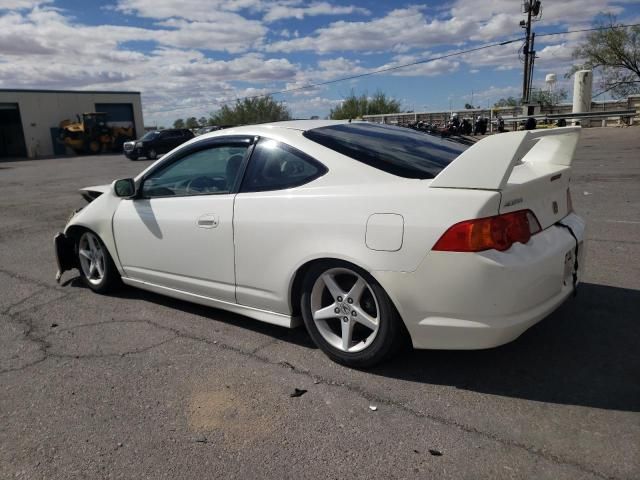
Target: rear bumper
[475,301]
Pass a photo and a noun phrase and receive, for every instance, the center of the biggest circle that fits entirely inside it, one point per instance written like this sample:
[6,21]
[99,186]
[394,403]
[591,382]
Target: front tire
[152,155]
[97,270]
[349,316]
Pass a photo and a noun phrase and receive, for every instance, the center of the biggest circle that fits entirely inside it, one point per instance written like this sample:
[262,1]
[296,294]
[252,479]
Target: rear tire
[152,155]
[349,316]
[97,270]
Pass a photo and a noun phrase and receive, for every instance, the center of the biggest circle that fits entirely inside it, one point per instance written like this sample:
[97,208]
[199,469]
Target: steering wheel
[204,184]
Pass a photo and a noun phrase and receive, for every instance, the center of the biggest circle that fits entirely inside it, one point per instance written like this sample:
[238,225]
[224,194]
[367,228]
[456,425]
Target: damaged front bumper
[65,254]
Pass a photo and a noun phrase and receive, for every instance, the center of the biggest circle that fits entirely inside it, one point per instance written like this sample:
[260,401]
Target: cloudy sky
[189,56]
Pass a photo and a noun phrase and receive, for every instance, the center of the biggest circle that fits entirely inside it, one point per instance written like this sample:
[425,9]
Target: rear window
[396,150]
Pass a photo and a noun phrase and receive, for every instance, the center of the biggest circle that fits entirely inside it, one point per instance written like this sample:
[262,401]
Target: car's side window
[277,166]
[212,170]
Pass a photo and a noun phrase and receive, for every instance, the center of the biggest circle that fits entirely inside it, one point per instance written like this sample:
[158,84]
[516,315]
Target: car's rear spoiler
[488,164]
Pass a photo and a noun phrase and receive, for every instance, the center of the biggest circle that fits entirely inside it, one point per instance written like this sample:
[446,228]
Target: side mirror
[124,188]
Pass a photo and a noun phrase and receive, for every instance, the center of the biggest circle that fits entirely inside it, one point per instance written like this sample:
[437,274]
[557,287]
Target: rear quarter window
[395,150]
[278,166]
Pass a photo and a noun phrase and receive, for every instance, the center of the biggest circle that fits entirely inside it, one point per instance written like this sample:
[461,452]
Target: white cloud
[499,25]
[553,12]
[199,10]
[280,11]
[399,29]
[57,53]
[231,32]
[404,29]
[428,69]
[251,67]
[22,4]
[308,107]
[325,70]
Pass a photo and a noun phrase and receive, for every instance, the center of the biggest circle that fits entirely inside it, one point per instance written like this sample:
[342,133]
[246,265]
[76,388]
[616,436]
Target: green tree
[506,102]
[251,110]
[615,53]
[202,121]
[468,106]
[179,123]
[356,106]
[192,123]
[547,98]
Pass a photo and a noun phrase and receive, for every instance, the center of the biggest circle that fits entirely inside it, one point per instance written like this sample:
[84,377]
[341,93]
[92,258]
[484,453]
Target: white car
[371,234]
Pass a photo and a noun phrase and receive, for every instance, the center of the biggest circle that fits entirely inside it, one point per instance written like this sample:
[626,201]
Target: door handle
[208,220]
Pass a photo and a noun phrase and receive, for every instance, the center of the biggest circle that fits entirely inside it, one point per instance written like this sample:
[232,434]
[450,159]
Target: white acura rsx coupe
[371,234]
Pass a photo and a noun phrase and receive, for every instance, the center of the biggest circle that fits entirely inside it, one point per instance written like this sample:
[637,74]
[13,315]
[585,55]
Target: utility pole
[532,8]
[532,61]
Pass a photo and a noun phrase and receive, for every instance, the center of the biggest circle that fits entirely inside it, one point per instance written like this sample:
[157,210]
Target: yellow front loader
[90,134]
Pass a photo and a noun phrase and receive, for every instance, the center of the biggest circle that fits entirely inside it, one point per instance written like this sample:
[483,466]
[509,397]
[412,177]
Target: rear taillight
[569,202]
[499,233]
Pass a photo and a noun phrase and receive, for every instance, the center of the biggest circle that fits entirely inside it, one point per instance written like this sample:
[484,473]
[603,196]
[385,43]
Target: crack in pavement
[20,302]
[176,333]
[22,278]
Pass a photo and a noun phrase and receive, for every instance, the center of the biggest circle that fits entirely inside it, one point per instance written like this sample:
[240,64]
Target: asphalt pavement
[135,385]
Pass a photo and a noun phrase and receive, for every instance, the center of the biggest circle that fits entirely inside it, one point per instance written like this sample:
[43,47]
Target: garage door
[120,114]
[11,134]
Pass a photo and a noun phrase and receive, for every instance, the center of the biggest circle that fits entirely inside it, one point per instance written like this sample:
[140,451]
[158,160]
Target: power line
[387,69]
[393,68]
[359,75]
[587,30]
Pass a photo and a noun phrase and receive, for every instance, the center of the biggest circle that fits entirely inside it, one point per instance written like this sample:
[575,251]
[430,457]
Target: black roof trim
[93,92]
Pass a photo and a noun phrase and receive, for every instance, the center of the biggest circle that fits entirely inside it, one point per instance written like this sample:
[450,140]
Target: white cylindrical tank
[582,85]
[550,79]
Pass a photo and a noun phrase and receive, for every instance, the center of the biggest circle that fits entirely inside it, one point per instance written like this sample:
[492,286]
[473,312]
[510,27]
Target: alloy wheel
[92,258]
[345,310]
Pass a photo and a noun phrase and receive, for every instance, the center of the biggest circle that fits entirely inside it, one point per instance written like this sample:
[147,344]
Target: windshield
[396,150]
[150,135]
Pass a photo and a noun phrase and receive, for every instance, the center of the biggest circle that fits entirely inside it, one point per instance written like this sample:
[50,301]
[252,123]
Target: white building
[29,119]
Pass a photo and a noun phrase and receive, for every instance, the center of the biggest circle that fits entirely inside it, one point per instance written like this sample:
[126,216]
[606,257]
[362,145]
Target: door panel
[159,240]
[179,233]
[273,231]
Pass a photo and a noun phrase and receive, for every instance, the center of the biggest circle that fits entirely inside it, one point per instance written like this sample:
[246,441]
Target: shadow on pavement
[586,353]
[297,336]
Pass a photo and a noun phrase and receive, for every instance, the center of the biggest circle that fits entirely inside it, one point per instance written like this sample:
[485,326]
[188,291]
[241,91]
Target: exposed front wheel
[349,315]
[97,269]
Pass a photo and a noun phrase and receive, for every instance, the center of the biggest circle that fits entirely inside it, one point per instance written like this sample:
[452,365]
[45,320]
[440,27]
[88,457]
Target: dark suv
[155,143]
